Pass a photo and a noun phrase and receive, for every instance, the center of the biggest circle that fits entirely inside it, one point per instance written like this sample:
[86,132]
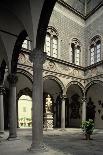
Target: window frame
[26,44]
[94,43]
[75,45]
[53,35]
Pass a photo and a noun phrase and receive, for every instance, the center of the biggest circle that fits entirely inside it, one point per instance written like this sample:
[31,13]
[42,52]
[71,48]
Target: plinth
[48,121]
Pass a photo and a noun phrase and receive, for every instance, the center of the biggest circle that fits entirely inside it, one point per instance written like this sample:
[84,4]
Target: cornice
[85,17]
[68,63]
[93,66]
[94,10]
[71,8]
[65,63]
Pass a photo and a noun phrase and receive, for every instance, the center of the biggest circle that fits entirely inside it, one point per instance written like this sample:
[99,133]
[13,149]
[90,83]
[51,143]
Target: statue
[48,105]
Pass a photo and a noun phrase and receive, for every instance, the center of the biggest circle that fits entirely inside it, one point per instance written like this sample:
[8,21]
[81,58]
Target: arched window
[26,44]
[75,52]
[95,50]
[51,43]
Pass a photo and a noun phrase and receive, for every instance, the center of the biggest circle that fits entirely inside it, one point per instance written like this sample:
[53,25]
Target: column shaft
[38,59]
[63,113]
[1,111]
[37,108]
[12,107]
[84,109]
[12,113]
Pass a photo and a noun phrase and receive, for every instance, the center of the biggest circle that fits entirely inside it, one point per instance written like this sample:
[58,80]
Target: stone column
[63,112]
[84,108]
[12,79]
[1,110]
[38,58]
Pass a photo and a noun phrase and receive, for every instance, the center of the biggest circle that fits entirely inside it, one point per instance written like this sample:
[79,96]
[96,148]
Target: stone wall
[94,26]
[68,26]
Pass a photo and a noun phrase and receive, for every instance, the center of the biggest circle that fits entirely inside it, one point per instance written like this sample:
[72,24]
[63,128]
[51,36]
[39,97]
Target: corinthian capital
[84,99]
[38,58]
[2,90]
[12,79]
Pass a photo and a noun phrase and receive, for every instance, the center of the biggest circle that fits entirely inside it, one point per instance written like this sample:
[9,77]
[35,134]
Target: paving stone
[68,142]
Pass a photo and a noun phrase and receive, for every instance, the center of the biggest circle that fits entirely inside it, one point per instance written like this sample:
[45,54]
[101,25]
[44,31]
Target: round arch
[3,55]
[25,73]
[25,91]
[92,83]
[2,71]
[42,27]
[52,28]
[17,49]
[55,79]
[75,83]
[55,88]
[74,94]
[28,93]
[94,101]
[98,37]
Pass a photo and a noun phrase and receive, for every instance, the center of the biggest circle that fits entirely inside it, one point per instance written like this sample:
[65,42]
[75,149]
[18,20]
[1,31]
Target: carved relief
[24,59]
[51,66]
[75,72]
[21,58]
[94,71]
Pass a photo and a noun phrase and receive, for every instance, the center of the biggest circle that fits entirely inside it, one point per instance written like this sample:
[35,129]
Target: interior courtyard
[51,76]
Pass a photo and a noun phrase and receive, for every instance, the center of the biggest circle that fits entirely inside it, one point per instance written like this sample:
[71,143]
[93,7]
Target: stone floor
[58,142]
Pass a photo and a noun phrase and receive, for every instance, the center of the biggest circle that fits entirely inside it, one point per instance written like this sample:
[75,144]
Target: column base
[1,131]
[46,129]
[1,134]
[38,148]
[48,121]
[62,129]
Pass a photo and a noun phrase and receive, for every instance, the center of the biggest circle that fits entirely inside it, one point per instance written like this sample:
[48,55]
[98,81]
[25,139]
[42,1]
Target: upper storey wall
[68,26]
[94,26]
[77,5]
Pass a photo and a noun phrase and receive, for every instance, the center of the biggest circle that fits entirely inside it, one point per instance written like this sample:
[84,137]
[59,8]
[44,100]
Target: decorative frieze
[55,68]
